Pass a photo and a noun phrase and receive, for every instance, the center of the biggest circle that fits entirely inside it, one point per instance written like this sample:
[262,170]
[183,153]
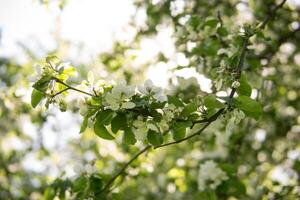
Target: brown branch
[211,119]
[271,15]
[58,93]
[72,88]
[121,171]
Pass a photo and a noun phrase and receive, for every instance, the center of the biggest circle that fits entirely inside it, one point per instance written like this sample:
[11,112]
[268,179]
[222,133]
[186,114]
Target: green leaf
[119,123]
[207,195]
[129,137]
[80,184]
[222,31]
[95,183]
[179,133]
[175,101]
[36,97]
[102,132]
[250,107]
[211,22]
[104,117]
[232,186]
[230,169]
[42,83]
[244,88]
[188,109]
[179,129]
[210,101]
[154,138]
[84,124]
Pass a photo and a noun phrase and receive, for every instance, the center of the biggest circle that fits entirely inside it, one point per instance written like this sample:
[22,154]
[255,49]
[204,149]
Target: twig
[240,65]
[211,119]
[72,88]
[269,17]
[58,93]
[108,184]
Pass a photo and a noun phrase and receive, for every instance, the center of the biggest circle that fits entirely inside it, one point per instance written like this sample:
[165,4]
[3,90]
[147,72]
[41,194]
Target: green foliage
[251,107]
[102,132]
[244,88]
[36,97]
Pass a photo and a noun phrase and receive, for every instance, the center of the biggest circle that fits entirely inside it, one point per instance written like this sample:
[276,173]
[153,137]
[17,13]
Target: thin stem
[58,93]
[211,119]
[121,171]
[269,17]
[72,88]
[240,65]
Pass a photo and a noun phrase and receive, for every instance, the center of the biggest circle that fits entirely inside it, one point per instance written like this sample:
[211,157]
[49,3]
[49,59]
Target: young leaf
[118,123]
[101,131]
[36,97]
[128,137]
[210,101]
[250,107]
[244,88]
[95,183]
[179,133]
[80,184]
[179,130]
[211,22]
[84,124]
[42,83]
[188,109]
[104,117]
[175,101]
[154,138]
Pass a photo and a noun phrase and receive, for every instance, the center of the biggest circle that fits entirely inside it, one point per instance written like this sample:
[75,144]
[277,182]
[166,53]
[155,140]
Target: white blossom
[210,176]
[150,89]
[236,84]
[119,97]
[140,129]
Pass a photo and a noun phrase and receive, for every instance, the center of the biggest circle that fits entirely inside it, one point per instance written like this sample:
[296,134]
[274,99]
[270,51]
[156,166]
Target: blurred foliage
[248,152]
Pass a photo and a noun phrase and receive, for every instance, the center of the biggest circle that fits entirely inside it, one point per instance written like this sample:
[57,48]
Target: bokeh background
[138,40]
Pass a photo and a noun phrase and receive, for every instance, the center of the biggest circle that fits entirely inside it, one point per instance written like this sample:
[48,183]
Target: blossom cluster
[210,176]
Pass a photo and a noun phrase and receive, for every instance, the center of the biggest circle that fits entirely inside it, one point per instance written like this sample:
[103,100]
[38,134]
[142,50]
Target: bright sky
[93,23]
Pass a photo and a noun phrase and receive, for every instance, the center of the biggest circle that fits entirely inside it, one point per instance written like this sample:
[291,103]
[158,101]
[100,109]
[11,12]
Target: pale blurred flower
[210,176]
[150,89]
[119,97]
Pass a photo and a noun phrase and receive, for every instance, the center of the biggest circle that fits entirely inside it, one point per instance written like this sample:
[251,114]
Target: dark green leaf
[102,132]
[244,88]
[179,129]
[175,101]
[104,117]
[36,97]
[129,137]
[222,31]
[84,124]
[232,186]
[154,138]
[188,109]
[211,22]
[95,183]
[42,83]
[207,195]
[119,123]
[250,107]
[80,184]
[210,101]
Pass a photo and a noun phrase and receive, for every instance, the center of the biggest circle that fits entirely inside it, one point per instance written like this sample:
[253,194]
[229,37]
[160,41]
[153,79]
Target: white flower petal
[128,105]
